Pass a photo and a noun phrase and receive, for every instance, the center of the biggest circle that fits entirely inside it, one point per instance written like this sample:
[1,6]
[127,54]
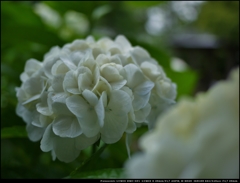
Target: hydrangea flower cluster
[88,90]
[194,139]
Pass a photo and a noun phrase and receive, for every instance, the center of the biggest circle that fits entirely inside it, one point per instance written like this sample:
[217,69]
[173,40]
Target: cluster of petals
[196,138]
[90,90]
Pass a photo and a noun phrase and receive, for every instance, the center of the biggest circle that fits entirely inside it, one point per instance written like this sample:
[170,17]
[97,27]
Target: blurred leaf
[89,163]
[19,13]
[186,81]
[142,4]
[101,11]
[33,34]
[101,174]
[13,132]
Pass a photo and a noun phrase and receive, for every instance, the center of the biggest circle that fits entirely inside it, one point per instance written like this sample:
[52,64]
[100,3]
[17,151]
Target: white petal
[65,126]
[140,55]
[43,109]
[102,86]
[36,97]
[70,83]
[58,97]
[33,86]
[82,142]
[46,143]
[140,115]
[89,123]
[77,105]
[47,66]
[43,106]
[140,101]
[134,75]
[65,149]
[114,127]
[144,88]
[131,127]
[90,97]
[85,81]
[34,133]
[102,59]
[115,59]
[61,109]
[99,108]
[57,83]
[59,68]
[120,102]
[42,121]
[96,75]
[123,42]
[65,57]
[118,84]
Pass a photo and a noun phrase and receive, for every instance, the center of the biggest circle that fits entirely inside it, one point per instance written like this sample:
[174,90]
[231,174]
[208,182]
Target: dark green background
[24,35]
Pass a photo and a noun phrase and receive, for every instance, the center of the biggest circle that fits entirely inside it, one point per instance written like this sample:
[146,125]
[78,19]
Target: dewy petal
[90,97]
[144,88]
[134,75]
[140,115]
[82,142]
[140,101]
[120,102]
[66,126]
[70,83]
[114,127]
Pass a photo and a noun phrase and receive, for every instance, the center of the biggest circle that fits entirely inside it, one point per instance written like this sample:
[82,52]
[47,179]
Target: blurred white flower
[89,90]
[196,138]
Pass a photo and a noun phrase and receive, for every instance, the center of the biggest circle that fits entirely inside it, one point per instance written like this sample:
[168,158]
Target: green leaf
[100,11]
[101,174]
[186,81]
[142,4]
[13,132]
[89,163]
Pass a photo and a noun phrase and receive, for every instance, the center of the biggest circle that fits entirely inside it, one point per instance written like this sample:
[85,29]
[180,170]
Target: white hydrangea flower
[90,90]
[194,139]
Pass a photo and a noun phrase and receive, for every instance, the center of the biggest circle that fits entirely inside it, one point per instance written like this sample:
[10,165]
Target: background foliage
[30,29]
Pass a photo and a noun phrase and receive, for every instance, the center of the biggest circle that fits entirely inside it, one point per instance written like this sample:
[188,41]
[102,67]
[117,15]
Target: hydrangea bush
[196,138]
[90,90]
